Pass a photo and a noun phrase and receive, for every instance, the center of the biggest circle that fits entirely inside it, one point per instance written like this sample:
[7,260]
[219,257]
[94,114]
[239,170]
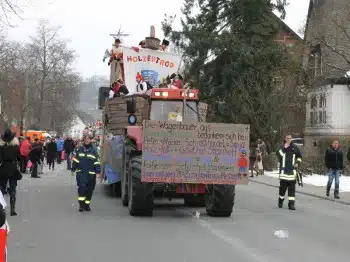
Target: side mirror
[131,105]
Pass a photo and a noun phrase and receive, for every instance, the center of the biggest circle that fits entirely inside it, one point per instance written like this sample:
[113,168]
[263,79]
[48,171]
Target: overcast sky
[87,24]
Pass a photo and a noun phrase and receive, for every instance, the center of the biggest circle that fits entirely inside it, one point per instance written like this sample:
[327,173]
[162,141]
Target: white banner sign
[153,65]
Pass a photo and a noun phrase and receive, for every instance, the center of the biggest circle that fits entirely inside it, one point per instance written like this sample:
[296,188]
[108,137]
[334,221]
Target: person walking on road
[25,149]
[51,152]
[87,166]
[35,157]
[68,147]
[289,158]
[9,173]
[334,163]
[59,142]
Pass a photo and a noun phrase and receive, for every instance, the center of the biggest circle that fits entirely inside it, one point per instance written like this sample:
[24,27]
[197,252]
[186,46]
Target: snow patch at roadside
[318,180]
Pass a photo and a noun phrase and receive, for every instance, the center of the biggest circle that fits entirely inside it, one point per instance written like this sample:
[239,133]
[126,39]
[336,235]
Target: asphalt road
[49,228]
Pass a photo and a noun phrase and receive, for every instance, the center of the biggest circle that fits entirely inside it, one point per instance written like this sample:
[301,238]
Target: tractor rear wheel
[140,194]
[220,200]
[194,200]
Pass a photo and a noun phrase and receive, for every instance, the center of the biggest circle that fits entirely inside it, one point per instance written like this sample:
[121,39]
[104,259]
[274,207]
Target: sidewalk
[314,191]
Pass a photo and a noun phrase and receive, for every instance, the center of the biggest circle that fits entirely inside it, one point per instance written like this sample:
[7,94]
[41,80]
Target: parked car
[299,142]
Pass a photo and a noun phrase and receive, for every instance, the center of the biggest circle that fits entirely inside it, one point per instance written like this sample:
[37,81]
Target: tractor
[162,104]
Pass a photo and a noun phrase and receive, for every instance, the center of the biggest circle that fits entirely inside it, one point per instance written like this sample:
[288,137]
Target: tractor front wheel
[140,194]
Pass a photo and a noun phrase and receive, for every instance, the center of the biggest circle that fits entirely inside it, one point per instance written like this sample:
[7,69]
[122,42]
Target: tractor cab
[169,104]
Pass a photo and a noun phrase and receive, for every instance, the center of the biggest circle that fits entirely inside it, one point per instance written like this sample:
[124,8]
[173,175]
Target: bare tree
[7,9]
[38,88]
[52,61]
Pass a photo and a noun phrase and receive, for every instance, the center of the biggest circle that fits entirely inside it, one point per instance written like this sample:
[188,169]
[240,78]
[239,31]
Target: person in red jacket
[25,148]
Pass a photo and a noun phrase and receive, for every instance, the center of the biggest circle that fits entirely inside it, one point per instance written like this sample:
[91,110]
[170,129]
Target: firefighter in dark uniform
[87,166]
[289,158]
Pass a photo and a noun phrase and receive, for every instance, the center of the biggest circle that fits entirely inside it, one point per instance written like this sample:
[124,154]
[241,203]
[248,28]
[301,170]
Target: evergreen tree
[230,55]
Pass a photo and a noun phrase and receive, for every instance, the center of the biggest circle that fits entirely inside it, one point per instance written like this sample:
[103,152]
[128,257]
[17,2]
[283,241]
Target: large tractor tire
[220,200]
[194,200]
[140,194]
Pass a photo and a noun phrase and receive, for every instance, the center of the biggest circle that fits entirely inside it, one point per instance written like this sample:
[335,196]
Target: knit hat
[139,76]
[8,135]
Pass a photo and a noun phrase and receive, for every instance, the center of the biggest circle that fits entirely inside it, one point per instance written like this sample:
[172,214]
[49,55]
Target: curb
[303,193]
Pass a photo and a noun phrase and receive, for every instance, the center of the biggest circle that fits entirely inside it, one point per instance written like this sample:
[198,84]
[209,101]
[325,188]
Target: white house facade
[327,114]
[76,129]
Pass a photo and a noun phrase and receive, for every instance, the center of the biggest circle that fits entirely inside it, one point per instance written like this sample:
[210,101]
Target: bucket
[152,43]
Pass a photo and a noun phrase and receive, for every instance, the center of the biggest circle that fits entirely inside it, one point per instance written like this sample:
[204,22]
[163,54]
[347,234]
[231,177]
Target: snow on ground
[318,180]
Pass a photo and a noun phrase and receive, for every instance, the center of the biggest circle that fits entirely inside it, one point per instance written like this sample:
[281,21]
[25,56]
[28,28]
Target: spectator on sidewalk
[9,173]
[35,157]
[334,163]
[51,153]
[25,150]
[68,147]
[59,142]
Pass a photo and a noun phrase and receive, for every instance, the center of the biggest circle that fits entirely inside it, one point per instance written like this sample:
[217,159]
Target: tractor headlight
[132,119]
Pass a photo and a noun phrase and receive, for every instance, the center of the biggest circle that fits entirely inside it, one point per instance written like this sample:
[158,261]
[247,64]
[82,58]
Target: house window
[318,65]
[316,60]
[323,101]
[312,118]
[315,118]
[313,102]
[324,117]
[320,117]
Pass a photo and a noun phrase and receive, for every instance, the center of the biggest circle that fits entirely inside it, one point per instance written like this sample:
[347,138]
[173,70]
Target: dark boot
[13,206]
[336,192]
[291,205]
[81,206]
[87,207]
[328,189]
[280,202]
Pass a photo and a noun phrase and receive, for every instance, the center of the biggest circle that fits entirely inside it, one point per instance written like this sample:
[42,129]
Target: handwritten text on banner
[192,152]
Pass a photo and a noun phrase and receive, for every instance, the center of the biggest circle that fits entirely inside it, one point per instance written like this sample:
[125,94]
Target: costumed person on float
[141,87]
[118,88]
[86,164]
[116,62]
[142,44]
[163,47]
[176,81]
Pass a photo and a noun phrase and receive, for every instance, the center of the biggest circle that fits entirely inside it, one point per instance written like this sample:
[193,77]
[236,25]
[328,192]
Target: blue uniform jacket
[86,162]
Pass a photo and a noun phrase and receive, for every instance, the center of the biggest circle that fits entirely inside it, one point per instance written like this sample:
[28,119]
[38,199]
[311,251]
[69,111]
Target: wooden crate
[115,114]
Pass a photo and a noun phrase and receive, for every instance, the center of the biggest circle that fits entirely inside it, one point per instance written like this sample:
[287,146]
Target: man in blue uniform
[290,158]
[87,166]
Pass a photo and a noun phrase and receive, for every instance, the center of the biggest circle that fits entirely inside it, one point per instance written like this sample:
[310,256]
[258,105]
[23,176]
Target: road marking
[234,242]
